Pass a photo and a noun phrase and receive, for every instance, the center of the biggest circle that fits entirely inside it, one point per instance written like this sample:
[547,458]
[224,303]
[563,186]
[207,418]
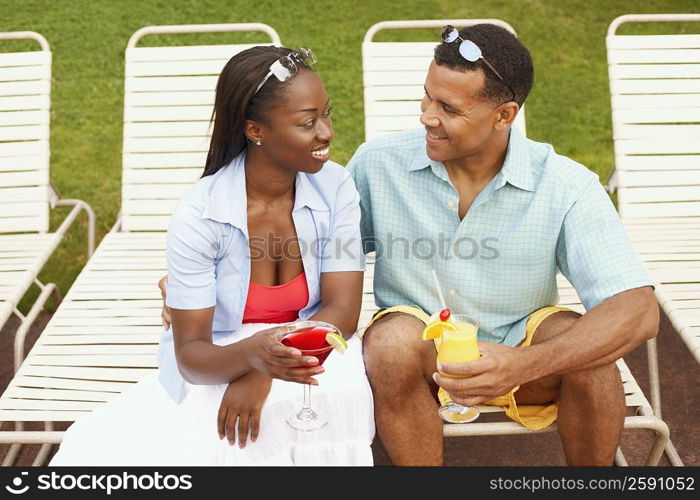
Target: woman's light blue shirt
[208,251]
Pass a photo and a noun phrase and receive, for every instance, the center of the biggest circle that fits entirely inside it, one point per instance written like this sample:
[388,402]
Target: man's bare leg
[399,367]
[591,402]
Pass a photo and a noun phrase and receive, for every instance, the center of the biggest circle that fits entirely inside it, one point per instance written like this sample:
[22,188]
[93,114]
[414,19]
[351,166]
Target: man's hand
[165,312]
[495,374]
[242,403]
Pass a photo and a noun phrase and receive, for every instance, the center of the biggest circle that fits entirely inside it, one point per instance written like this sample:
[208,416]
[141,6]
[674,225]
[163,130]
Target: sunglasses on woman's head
[287,66]
[471,52]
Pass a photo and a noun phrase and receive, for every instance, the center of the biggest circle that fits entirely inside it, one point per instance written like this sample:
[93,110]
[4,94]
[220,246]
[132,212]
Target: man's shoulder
[559,170]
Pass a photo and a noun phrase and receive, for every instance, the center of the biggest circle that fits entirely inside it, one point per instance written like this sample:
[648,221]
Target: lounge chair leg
[28,320]
[672,455]
[45,449]
[620,459]
[15,448]
[654,381]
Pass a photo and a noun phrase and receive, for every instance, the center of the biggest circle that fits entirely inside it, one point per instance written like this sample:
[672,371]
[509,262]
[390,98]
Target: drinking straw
[439,289]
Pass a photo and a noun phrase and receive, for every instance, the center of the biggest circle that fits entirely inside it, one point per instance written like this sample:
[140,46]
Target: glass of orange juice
[459,345]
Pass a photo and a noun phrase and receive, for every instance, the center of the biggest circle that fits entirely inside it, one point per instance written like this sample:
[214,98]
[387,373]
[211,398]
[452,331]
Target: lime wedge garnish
[337,342]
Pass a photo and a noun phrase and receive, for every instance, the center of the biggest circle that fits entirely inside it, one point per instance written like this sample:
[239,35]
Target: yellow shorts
[531,416]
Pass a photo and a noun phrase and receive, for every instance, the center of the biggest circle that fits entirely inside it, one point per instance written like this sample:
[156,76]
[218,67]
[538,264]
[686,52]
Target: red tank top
[276,304]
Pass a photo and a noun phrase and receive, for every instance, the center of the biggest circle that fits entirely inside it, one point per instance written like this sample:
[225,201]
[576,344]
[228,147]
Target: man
[495,215]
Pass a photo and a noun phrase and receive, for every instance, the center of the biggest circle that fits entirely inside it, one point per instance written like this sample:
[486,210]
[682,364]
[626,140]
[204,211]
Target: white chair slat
[58,394]
[651,102]
[651,178]
[17,103]
[658,194]
[8,118]
[148,207]
[165,129]
[176,68]
[397,78]
[162,176]
[24,133]
[398,49]
[25,194]
[661,209]
[29,148]
[28,58]
[657,146]
[25,88]
[654,86]
[17,73]
[654,71]
[405,92]
[659,115]
[164,160]
[46,404]
[158,191]
[88,373]
[658,132]
[671,162]
[157,98]
[186,52]
[167,114]
[146,223]
[653,41]
[24,178]
[402,63]
[41,416]
[170,83]
[166,144]
[78,385]
[656,55]
[390,109]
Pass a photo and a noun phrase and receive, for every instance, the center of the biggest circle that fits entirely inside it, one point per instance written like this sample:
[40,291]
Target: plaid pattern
[541,213]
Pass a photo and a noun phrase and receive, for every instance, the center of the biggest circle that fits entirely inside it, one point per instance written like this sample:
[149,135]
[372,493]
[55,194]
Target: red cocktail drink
[311,342]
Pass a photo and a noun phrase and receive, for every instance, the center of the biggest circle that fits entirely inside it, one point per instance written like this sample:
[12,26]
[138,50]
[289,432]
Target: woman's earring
[259,143]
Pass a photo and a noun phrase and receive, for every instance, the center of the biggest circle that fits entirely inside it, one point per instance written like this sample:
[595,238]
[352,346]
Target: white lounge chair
[655,98]
[382,89]
[26,194]
[104,336]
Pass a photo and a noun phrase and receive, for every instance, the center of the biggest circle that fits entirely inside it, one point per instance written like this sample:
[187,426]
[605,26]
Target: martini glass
[310,338]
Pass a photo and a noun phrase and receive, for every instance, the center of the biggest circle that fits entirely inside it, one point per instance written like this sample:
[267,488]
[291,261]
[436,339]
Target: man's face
[458,122]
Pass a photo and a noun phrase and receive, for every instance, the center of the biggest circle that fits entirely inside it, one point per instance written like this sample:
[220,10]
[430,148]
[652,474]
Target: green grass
[568,107]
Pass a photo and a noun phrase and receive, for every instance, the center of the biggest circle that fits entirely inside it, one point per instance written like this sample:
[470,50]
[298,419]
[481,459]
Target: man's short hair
[505,53]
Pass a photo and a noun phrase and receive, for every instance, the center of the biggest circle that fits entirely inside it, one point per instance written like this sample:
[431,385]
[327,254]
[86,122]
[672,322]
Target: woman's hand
[242,403]
[269,356]
[165,311]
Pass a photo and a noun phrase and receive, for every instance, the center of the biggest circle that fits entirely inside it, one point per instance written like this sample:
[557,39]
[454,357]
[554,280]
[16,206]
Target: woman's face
[299,131]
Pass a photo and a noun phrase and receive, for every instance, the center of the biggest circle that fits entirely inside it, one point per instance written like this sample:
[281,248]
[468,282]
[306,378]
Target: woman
[269,234]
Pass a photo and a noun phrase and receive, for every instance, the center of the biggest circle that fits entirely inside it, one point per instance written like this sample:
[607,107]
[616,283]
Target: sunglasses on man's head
[471,52]
[287,66]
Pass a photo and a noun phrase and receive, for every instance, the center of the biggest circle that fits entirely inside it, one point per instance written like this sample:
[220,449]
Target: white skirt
[144,426]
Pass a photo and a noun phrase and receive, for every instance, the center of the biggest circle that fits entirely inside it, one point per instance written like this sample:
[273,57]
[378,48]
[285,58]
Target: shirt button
[453,292]
[451,204]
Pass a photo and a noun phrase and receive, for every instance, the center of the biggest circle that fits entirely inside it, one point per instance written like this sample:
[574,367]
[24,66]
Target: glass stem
[307,397]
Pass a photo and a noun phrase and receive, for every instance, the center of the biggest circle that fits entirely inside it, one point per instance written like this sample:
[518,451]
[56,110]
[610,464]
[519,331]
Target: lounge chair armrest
[77,205]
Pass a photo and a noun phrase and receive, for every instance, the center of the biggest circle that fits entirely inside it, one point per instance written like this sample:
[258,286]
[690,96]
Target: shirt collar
[228,201]
[516,169]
